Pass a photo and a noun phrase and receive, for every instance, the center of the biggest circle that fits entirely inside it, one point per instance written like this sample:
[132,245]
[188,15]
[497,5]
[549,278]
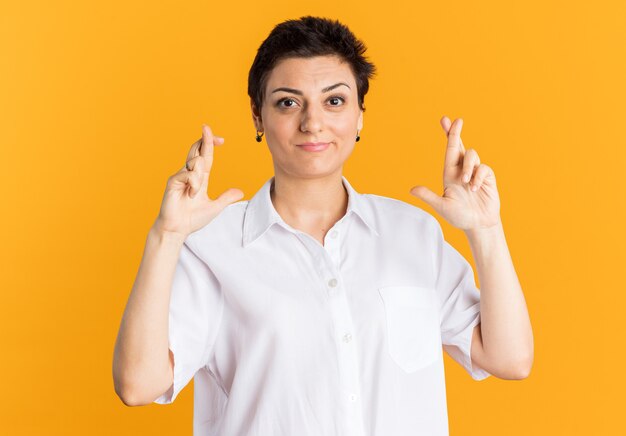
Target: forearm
[141,356]
[507,336]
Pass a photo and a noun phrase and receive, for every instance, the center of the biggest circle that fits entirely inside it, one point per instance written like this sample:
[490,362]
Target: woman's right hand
[186,206]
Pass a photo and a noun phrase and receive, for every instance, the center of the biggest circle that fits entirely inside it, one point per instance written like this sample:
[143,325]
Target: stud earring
[358,138]
[258,137]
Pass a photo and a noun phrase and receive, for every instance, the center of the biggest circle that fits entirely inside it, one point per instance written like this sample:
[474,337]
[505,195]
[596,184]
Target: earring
[358,138]
[258,137]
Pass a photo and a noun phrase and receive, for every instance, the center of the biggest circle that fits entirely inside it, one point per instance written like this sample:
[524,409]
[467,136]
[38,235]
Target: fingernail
[466,178]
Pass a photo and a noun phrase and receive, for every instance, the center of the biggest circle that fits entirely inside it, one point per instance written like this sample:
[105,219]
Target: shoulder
[393,210]
[226,225]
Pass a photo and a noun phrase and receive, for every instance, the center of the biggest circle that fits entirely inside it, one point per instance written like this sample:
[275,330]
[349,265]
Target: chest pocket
[412,320]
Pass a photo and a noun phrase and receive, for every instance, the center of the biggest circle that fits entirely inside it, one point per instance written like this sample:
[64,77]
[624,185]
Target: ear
[360,122]
[256,116]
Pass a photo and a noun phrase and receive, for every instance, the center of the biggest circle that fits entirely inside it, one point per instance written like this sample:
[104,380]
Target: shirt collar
[260,213]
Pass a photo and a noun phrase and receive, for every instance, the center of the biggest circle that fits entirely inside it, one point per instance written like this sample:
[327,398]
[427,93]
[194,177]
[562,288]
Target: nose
[312,119]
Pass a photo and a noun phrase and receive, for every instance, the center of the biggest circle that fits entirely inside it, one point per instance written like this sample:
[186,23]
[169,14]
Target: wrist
[165,236]
[485,232]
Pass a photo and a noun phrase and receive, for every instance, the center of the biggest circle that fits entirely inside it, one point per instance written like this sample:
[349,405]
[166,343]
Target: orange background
[99,104]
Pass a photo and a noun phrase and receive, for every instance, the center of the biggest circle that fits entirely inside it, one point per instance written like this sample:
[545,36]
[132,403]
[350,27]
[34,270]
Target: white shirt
[286,337]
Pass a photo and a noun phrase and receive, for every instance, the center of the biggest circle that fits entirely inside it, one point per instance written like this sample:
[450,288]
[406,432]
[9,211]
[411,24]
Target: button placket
[331,243]
[346,352]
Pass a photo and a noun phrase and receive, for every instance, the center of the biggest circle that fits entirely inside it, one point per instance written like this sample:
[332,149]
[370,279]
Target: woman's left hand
[470,198]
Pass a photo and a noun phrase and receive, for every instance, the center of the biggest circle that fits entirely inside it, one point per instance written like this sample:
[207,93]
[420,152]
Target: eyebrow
[298,92]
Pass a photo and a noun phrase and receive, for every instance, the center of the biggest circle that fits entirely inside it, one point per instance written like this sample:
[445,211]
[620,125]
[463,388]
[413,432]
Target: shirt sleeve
[195,313]
[460,305]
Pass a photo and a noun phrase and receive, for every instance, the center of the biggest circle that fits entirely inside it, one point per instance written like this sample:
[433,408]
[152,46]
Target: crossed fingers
[473,172]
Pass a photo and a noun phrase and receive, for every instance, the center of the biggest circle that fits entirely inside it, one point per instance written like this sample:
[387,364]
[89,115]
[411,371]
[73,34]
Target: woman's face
[310,100]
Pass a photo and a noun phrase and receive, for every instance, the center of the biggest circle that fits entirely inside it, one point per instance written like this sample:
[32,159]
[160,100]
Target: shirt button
[333,234]
[352,397]
[347,337]
[332,282]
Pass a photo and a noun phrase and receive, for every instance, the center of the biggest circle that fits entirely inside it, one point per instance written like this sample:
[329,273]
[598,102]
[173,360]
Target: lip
[314,146]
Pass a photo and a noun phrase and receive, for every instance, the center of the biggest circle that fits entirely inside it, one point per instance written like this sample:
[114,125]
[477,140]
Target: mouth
[314,146]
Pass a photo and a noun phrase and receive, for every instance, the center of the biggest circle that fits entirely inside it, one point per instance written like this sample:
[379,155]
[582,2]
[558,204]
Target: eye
[335,98]
[285,100]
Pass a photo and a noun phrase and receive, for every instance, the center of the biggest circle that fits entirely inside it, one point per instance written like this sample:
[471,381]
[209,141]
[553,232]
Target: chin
[315,171]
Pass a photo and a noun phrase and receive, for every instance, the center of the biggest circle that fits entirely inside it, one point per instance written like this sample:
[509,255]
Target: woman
[313,309]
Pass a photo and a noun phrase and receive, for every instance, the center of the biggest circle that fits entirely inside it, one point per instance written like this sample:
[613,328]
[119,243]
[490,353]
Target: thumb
[428,196]
[229,196]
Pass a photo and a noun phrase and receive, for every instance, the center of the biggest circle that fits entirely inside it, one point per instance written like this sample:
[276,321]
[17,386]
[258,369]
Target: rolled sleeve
[459,305]
[195,312]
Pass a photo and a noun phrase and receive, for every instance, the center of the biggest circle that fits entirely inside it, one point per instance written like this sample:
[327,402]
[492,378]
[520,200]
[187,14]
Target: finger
[453,149]
[196,147]
[217,140]
[481,173]
[201,175]
[194,184]
[445,123]
[206,149]
[196,180]
[227,197]
[188,164]
[428,196]
[470,162]
[462,146]
[192,176]
[182,179]
[194,150]
[194,163]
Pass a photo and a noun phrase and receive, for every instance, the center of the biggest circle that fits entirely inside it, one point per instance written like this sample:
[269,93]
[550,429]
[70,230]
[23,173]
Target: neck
[315,203]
